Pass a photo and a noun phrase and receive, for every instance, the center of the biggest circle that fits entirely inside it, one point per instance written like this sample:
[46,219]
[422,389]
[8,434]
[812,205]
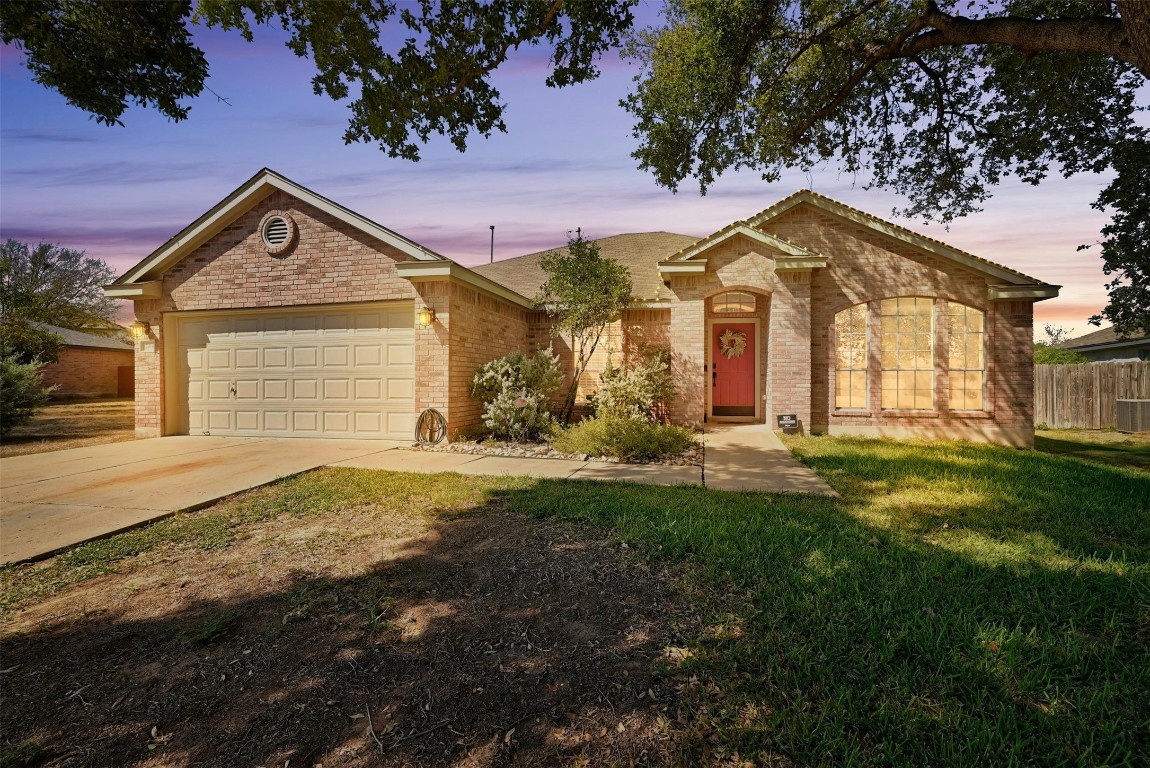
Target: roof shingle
[640,252]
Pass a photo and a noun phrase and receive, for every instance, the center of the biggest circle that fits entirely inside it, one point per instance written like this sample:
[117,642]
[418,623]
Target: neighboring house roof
[81,339]
[1107,337]
[640,252]
[131,283]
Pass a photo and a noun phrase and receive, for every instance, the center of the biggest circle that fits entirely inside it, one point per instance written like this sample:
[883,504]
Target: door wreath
[732,343]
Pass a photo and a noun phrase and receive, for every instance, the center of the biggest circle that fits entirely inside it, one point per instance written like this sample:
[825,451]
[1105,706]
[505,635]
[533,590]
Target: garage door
[346,372]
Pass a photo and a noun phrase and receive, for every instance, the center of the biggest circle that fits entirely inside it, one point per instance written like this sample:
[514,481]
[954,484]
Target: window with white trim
[907,352]
[851,357]
[733,301]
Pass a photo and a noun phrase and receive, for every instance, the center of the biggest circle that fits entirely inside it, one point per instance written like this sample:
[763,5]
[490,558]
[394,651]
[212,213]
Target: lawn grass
[1106,446]
[312,495]
[959,605]
[72,424]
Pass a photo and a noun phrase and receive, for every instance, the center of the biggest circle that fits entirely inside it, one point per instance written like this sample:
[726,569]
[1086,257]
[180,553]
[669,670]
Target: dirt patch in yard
[72,424]
[367,637]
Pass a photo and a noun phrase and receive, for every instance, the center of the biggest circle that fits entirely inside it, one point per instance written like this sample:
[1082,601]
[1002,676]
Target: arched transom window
[734,301]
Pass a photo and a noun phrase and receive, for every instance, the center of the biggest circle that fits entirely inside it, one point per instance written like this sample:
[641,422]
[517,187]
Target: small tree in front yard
[584,292]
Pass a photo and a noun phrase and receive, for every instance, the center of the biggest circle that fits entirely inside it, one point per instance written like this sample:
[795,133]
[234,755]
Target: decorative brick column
[432,342]
[789,358]
[689,360]
[149,364]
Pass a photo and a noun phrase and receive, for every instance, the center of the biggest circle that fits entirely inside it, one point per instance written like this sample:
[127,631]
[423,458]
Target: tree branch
[1107,36]
[876,56]
[1028,36]
[468,77]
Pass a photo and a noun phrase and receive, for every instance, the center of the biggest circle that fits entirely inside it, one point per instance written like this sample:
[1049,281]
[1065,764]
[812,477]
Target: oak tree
[940,101]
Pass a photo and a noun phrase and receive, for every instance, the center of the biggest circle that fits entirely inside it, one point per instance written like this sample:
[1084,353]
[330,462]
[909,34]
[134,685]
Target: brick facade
[87,372]
[331,262]
[470,329]
[863,266]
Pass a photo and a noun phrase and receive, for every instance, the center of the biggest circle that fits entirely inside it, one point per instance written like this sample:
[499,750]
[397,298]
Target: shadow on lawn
[487,641]
[1125,453]
[1018,633]
[505,638]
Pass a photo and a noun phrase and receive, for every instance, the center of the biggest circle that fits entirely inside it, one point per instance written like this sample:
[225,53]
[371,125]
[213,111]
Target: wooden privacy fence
[1085,396]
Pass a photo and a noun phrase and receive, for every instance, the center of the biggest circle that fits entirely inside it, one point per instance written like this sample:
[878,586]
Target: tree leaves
[104,56]
[55,285]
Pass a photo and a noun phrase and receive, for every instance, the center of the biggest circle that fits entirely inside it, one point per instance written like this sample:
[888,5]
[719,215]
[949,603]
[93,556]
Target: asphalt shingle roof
[640,252]
[81,339]
[1105,336]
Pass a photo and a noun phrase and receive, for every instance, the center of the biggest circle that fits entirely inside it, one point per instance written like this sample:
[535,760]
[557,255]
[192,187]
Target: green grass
[959,605]
[1106,447]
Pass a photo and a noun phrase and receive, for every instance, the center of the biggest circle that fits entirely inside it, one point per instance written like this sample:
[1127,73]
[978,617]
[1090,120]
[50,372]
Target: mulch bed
[377,639]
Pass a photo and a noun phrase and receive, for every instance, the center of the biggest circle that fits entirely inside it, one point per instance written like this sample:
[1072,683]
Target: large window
[851,358]
[967,357]
[907,352]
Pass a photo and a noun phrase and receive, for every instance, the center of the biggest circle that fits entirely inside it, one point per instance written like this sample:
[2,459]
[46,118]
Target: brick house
[89,365]
[280,312]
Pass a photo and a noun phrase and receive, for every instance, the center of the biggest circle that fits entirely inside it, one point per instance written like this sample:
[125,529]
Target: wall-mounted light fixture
[426,316]
[139,329]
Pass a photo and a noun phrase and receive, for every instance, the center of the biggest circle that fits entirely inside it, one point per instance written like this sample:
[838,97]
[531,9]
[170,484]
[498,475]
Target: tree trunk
[1136,21]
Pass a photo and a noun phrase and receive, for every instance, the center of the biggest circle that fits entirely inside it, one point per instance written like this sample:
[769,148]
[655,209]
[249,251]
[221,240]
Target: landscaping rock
[692,457]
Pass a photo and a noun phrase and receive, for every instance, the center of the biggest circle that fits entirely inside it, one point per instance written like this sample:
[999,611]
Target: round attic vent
[277,231]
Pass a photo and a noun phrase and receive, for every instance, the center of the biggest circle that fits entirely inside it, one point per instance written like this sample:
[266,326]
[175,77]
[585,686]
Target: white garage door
[346,372]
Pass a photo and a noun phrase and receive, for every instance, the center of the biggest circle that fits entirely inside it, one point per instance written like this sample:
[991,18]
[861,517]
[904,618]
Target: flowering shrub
[515,390]
[640,391]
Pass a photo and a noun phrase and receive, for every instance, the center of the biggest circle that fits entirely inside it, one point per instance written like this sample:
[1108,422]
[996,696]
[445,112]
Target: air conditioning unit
[1134,415]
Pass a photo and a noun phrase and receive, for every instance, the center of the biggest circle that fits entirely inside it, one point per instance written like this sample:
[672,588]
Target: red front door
[733,351]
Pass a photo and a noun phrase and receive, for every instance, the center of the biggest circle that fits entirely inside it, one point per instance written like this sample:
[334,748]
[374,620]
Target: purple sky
[120,192]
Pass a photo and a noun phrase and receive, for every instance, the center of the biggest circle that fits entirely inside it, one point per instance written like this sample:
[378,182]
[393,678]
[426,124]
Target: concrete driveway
[54,500]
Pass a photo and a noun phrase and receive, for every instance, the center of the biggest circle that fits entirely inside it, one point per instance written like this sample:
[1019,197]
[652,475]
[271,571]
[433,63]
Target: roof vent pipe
[492,228]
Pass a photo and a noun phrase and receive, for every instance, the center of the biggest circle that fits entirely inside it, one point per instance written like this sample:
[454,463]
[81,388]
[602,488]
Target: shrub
[624,438]
[1044,354]
[636,392]
[22,391]
[515,392]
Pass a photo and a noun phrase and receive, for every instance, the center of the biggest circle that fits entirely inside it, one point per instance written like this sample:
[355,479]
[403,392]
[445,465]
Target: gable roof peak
[240,201]
[896,231]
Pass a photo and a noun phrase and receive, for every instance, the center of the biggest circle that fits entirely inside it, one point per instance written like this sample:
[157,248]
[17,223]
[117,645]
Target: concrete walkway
[50,501]
[750,457]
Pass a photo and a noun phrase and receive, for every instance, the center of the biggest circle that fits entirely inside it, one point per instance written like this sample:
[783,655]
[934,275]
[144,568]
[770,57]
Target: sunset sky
[120,192]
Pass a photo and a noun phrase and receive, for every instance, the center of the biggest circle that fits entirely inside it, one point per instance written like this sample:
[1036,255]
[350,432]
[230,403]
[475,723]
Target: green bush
[1045,354]
[624,438]
[515,391]
[639,391]
[22,391]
